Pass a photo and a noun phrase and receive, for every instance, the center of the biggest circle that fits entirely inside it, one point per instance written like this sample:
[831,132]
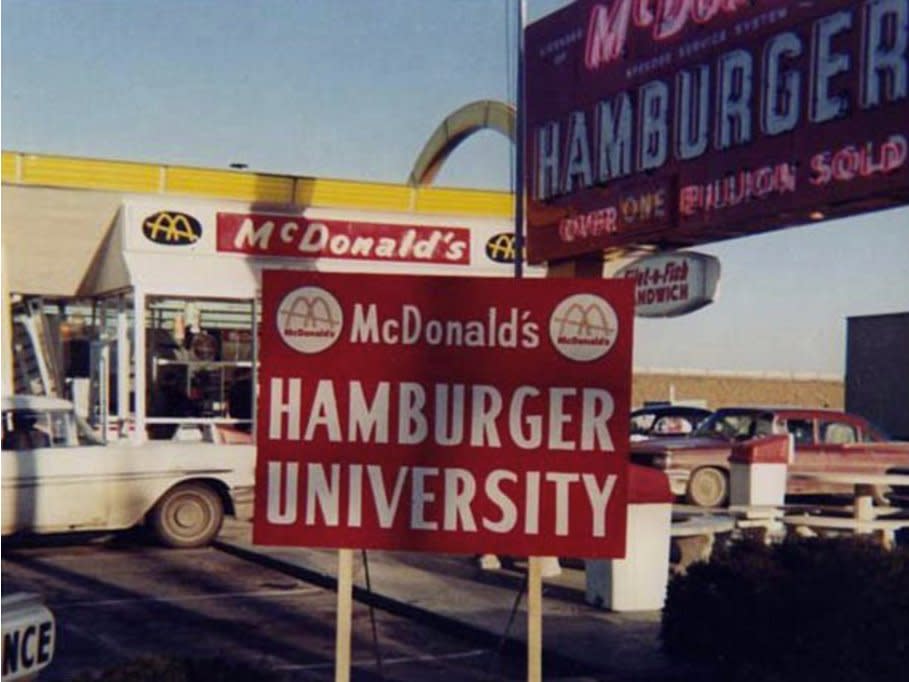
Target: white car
[59,477]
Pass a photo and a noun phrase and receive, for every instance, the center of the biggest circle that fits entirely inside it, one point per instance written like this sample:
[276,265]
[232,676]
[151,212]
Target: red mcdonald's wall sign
[678,122]
[293,236]
[444,414]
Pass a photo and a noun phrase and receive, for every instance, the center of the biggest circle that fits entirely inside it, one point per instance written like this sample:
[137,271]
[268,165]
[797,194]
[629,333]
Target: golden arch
[500,248]
[456,128]
[586,321]
[176,227]
[304,312]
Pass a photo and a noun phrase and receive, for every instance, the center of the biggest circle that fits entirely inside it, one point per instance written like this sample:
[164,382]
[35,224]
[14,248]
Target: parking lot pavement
[120,600]
[455,594]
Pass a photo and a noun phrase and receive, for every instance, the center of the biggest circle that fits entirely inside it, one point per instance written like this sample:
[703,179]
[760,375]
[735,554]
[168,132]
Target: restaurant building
[133,288]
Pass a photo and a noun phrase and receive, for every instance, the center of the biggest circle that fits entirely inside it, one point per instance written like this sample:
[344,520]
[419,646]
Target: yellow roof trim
[58,171]
[97,174]
[376,196]
[464,201]
[10,167]
[229,185]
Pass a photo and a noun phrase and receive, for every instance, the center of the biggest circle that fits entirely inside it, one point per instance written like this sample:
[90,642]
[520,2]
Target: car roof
[35,402]
[794,412]
[671,409]
[778,408]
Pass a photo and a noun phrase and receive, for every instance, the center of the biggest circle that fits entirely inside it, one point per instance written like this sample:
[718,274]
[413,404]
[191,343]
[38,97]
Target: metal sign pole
[534,564]
[519,190]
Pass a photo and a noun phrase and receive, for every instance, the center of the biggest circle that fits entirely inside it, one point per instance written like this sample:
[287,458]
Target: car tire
[708,487]
[188,515]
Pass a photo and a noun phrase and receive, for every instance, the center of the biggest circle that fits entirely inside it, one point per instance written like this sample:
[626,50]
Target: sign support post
[534,564]
[534,619]
[343,616]
[519,158]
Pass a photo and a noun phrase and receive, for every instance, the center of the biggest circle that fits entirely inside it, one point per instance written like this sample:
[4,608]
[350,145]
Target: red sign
[262,234]
[444,414]
[678,122]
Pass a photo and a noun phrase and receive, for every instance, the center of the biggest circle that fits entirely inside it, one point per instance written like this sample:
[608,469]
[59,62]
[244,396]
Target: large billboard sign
[678,122]
[444,414]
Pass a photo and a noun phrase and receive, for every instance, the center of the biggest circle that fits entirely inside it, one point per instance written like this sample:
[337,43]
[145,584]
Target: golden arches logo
[500,247]
[309,319]
[172,228]
[583,327]
[308,314]
[584,322]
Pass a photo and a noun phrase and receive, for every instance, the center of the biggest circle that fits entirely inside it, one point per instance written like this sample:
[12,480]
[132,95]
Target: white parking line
[391,661]
[189,598]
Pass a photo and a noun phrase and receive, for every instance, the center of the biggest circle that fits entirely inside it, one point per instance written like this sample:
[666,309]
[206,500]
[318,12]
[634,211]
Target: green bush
[828,610]
[180,670]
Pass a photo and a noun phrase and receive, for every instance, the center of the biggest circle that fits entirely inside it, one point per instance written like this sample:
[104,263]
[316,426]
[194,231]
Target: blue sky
[352,89]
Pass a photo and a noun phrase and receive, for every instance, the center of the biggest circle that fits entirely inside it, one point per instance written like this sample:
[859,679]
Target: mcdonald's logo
[583,327]
[309,319]
[500,247]
[172,228]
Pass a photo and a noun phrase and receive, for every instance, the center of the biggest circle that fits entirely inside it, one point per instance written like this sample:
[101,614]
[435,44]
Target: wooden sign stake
[534,619]
[343,617]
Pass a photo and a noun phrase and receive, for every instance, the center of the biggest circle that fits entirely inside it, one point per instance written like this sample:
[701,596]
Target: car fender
[155,469]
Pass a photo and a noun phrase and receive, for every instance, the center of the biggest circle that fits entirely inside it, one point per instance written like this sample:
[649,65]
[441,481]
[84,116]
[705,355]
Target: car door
[62,486]
[839,438]
[809,456]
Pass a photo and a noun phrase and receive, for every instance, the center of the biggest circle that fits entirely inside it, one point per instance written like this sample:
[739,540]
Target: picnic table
[865,519]
[694,536]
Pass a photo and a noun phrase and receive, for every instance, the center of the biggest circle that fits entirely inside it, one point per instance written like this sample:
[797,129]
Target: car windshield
[733,425]
[643,422]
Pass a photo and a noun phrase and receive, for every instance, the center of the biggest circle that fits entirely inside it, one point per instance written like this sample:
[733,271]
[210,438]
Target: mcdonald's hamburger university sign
[678,122]
[444,414]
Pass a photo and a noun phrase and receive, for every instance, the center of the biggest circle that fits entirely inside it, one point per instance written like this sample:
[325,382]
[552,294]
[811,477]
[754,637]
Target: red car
[825,440]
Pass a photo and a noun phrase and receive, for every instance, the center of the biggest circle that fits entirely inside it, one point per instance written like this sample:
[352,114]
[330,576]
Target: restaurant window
[200,374]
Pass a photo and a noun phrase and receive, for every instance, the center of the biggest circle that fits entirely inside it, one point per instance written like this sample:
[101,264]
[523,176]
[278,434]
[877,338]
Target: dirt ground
[728,389]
